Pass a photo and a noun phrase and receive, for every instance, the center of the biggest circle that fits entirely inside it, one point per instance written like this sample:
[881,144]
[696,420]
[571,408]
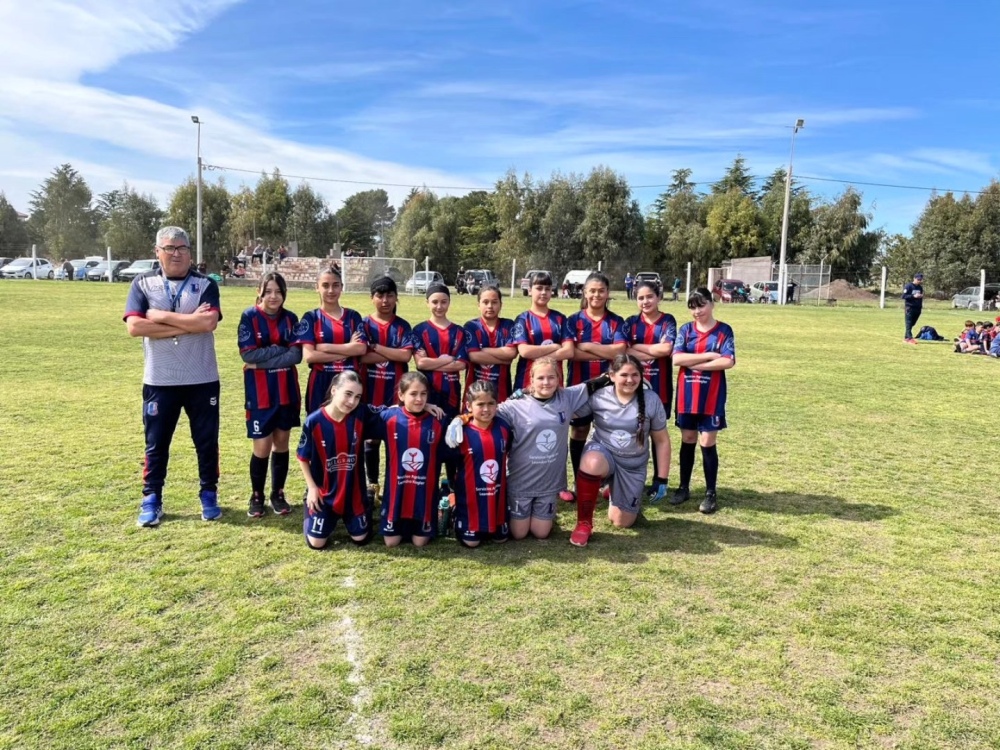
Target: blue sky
[454,94]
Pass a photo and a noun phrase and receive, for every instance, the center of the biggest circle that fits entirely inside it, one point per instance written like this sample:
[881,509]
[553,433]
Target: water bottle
[444,511]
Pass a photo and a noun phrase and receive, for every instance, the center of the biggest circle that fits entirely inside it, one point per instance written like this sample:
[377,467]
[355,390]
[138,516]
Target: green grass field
[846,595]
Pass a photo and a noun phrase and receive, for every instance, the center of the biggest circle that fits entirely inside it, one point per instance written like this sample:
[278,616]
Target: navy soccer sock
[372,461]
[687,463]
[710,463]
[575,454]
[279,471]
[258,474]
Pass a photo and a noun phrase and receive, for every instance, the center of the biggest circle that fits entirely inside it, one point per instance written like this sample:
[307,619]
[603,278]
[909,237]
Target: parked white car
[138,267]
[26,268]
[419,281]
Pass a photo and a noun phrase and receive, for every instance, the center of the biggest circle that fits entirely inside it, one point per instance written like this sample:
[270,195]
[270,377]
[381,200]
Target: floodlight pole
[782,268]
[197,122]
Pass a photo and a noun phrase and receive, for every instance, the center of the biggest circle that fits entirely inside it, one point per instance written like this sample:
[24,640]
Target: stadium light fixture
[196,121]
[782,266]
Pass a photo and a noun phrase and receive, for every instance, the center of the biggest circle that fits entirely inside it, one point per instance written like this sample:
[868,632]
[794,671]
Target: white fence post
[885,275]
[688,293]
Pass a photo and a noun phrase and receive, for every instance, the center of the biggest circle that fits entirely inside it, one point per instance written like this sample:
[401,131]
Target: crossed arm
[163,324]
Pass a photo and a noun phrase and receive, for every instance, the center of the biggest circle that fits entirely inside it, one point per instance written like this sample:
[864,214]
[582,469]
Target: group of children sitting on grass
[980,337]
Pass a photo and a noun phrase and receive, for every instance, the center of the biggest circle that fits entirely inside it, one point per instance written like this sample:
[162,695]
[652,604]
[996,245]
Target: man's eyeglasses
[174,249]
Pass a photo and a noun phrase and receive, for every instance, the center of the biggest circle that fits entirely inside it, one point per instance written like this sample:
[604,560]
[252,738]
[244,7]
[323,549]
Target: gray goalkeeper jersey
[616,424]
[536,463]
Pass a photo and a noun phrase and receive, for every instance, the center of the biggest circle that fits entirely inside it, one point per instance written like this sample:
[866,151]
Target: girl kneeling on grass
[481,491]
[330,455]
[536,463]
[624,417]
[413,435]
[271,389]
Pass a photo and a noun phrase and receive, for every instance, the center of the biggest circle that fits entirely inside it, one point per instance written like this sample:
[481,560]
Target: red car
[730,290]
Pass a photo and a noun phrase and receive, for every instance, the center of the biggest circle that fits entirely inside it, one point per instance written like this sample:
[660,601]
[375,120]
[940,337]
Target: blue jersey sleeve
[519,334]
[137,302]
[472,342]
[306,449]
[681,342]
[210,296]
[728,346]
[357,325]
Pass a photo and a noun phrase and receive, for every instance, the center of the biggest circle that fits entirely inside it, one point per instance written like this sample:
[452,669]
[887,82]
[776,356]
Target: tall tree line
[563,222]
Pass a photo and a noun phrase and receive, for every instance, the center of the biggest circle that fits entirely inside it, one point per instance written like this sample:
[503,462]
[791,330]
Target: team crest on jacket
[621,438]
[489,471]
[244,332]
[341,462]
[413,459]
[301,328]
[546,441]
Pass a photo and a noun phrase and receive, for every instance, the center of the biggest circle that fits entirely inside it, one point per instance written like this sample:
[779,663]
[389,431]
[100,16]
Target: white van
[575,281]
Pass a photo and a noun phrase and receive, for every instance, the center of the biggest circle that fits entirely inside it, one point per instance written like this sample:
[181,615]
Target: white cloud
[51,117]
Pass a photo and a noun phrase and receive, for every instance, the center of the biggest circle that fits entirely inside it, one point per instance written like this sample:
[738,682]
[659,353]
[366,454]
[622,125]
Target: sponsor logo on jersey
[621,438]
[413,459]
[489,471]
[546,441]
[301,328]
[547,342]
[341,462]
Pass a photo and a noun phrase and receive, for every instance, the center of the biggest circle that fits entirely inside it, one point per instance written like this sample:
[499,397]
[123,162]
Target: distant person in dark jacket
[913,302]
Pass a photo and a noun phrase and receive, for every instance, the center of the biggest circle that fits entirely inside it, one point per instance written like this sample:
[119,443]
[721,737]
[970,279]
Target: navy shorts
[585,421]
[262,422]
[701,422]
[408,528]
[320,525]
[502,534]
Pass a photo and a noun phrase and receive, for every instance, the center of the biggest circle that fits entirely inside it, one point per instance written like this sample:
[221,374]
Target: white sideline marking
[353,646]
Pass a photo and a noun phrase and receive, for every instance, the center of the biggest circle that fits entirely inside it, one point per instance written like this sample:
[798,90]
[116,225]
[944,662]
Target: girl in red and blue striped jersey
[481,491]
[329,453]
[441,356]
[487,345]
[390,347]
[650,336]
[705,348]
[540,332]
[271,388]
[331,336]
[597,339]
[414,442]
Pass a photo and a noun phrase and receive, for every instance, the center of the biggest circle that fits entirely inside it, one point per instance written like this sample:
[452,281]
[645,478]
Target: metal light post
[197,122]
[782,268]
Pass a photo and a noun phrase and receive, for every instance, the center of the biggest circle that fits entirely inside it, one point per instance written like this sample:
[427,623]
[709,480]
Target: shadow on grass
[666,530]
[794,504]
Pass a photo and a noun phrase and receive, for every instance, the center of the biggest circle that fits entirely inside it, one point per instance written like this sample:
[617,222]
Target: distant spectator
[629,284]
[564,292]
[677,287]
[282,253]
[790,296]
[967,341]
[69,273]
[913,301]
[257,255]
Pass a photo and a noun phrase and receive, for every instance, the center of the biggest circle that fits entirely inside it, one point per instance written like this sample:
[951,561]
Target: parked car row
[84,269]
[28,268]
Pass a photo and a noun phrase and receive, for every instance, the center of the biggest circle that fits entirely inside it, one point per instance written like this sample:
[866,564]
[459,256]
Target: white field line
[364,728]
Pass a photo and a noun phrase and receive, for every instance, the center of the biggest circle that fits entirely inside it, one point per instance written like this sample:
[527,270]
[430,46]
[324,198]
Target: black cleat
[681,495]
[279,504]
[709,504]
[256,509]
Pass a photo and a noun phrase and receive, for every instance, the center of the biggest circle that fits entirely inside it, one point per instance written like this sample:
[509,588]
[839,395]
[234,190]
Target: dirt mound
[840,289]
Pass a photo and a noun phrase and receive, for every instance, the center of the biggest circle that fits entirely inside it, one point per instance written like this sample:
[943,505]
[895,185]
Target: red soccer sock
[587,487]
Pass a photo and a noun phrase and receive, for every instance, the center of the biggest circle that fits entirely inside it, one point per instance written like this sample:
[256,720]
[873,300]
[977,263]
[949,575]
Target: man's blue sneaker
[150,511]
[210,509]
